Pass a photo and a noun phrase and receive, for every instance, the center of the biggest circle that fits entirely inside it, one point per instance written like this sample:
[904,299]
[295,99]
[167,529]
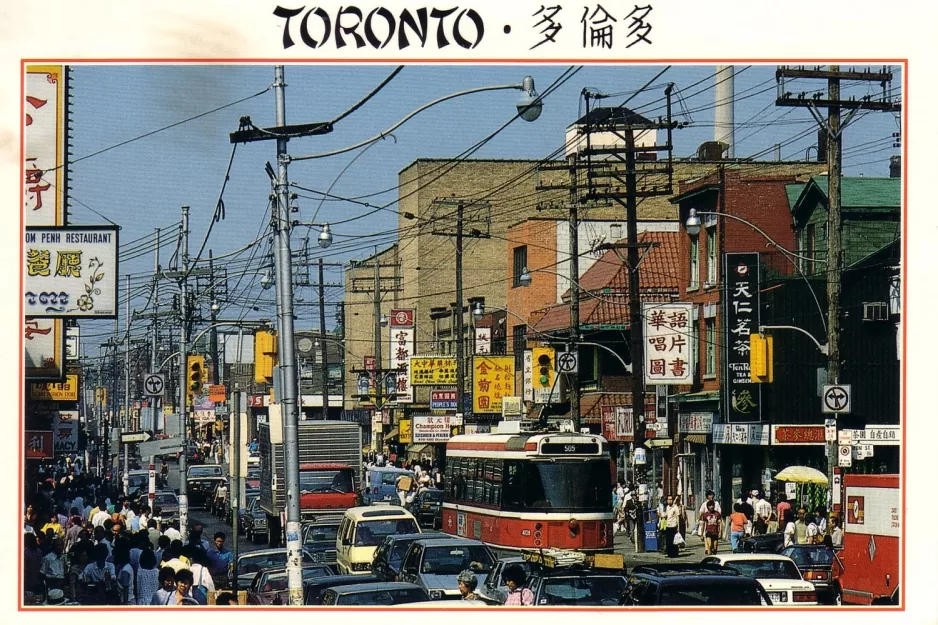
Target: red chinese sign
[798,435]
[38,444]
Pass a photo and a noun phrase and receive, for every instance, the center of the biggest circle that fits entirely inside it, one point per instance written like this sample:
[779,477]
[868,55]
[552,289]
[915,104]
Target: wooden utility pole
[833,126]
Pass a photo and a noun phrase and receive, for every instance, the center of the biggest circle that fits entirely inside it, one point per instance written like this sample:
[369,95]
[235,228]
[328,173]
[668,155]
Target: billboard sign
[443,399]
[70,272]
[402,348]
[667,335]
[431,429]
[38,444]
[432,370]
[493,377]
[695,423]
[55,391]
[483,341]
[617,424]
[741,318]
[44,146]
[65,432]
[44,341]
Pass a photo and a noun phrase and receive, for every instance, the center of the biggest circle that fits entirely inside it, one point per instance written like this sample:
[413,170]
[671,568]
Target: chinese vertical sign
[70,272]
[402,348]
[528,376]
[493,377]
[39,444]
[44,197]
[483,341]
[617,423]
[65,432]
[667,335]
[740,319]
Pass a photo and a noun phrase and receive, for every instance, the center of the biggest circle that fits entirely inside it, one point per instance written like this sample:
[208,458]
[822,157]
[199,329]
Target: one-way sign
[160,447]
[135,437]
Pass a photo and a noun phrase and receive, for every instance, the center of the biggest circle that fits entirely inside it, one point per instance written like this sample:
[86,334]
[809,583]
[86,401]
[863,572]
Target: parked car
[820,566]
[380,485]
[377,593]
[253,520]
[691,585]
[252,562]
[138,483]
[575,586]
[427,508]
[390,554]
[434,564]
[765,543]
[314,588]
[201,490]
[167,501]
[777,574]
[269,586]
[492,589]
[319,541]
[205,470]
[193,454]
[246,496]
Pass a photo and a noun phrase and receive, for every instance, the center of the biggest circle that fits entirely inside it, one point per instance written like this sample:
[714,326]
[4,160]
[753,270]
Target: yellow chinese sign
[65,391]
[437,371]
[405,431]
[493,377]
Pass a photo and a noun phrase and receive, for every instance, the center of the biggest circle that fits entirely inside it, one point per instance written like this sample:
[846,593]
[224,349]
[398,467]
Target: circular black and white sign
[566,362]
[154,385]
[836,399]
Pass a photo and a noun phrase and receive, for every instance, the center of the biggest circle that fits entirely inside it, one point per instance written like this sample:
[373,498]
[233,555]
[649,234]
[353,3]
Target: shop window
[710,346]
[694,263]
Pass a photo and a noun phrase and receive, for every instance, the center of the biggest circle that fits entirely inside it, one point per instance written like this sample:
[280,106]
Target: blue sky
[141,185]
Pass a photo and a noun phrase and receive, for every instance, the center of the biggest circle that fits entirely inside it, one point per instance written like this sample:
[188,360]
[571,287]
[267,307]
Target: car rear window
[252,564]
[583,590]
[710,594]
[810,557]
[322,533]
[453,560]
[371,533]
[765,569]
[379,597]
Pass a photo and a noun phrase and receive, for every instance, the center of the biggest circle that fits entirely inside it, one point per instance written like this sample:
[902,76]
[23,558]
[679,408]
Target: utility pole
[127,389]
[213,315]
[155,403]
[234,469]
[324,362]
[834,126]
[458,319]
[183,386]
[284,284]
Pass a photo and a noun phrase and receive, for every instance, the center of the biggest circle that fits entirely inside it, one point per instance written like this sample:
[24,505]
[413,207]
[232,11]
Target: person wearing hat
[56,596]
[467,585]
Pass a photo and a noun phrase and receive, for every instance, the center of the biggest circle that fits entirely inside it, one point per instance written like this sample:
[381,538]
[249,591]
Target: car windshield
[278,581]
[398,551]
[138,481]
[322,533]
[583,590]
[810,557]
[252,563]
[765,569]
[326,480]
[371,533]
[379,597]
[434,496]
[568,486]
[710,594]
[204,471]
[453,560]
[165,499]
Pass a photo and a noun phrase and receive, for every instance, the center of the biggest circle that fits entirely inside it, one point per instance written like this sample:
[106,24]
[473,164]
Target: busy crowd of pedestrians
[86,545]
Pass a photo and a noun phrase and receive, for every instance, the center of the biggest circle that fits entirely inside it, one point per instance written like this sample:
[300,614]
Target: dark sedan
[201,490]
[427,507]
[380,593]
[390,554]
[314,588]
[765,543]
[269,586]
[820,566]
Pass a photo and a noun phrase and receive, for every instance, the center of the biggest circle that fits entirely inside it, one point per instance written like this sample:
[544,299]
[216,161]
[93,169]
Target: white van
[362,530]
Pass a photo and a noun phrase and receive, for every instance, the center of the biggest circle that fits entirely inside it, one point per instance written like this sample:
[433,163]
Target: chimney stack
[724,109]
[895,166]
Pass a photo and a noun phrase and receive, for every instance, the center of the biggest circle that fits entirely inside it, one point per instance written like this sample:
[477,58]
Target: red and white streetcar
[530,491]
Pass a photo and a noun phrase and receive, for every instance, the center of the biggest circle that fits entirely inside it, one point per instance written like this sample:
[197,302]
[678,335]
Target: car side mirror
[346,542]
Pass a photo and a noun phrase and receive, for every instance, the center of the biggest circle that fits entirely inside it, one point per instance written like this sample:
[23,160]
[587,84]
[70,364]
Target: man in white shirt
[100,516]
[763,512]
[172,532]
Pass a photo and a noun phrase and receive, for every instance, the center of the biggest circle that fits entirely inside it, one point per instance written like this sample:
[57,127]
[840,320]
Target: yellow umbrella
[802,475]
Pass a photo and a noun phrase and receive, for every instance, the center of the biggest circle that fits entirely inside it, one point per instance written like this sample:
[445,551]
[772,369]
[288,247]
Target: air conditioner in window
[875,311]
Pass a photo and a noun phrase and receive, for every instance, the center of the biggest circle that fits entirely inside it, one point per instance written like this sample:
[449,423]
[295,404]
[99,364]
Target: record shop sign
[70,272]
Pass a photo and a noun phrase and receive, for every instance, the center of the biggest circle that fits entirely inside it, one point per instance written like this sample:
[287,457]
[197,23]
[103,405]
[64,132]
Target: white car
[778,575]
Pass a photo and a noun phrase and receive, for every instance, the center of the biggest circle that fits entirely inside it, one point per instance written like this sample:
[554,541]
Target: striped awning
[699,439]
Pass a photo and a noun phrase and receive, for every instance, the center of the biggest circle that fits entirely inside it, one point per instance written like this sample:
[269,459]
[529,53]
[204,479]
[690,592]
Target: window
[809,248]
[519,265]
[711,256]
[557,487]
[695,346]
[519,340]
[694,263]
[710,338]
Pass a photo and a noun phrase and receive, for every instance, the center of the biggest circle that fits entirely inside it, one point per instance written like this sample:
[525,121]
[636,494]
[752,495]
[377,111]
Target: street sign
[135,437]
[844,458]
[154,384]
[830,430]
[160,447]
[863,450]
[835,399]
[844,437]
[567,362]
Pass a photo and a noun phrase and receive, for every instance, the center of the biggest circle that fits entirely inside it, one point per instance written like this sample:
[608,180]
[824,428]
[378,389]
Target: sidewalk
[693,552]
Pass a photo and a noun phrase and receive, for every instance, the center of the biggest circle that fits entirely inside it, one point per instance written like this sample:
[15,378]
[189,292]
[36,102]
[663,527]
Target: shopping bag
[678,539]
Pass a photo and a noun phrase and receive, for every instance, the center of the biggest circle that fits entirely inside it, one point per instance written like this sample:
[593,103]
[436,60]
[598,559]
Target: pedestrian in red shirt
[713,528]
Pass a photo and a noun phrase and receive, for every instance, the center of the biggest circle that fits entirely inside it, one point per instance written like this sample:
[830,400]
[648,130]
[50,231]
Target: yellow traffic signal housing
[761,368]
[265,356]
[195,374]
[543,373]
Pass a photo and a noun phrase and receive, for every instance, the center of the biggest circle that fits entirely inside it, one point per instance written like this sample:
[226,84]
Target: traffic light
[195,368]
[265,356]
[761,368]
[543,367]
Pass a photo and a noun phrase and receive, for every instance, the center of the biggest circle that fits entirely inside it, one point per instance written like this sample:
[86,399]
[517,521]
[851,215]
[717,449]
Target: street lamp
[384,321]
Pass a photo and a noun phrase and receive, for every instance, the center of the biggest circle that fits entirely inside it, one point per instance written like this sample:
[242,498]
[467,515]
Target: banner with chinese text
[402,348]
[431,429]
[70,272]
[493,377]
[44,348]
[65,432]
[667,335]
[39,444]
[617,424]
[483,341]
[740,319]
[61,391]
[432,370]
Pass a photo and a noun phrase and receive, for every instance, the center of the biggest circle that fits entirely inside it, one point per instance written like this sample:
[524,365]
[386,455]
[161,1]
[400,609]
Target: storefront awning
[416,450]
[652,443]
[697,397]
[699,439]
[392,434]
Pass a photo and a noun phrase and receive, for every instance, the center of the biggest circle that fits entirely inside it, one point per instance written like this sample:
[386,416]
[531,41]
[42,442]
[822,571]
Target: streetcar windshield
[567,486]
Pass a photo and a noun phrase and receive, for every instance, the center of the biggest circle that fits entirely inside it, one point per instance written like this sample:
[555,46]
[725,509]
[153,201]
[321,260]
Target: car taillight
[815,575]
[376,490]
[804,596]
